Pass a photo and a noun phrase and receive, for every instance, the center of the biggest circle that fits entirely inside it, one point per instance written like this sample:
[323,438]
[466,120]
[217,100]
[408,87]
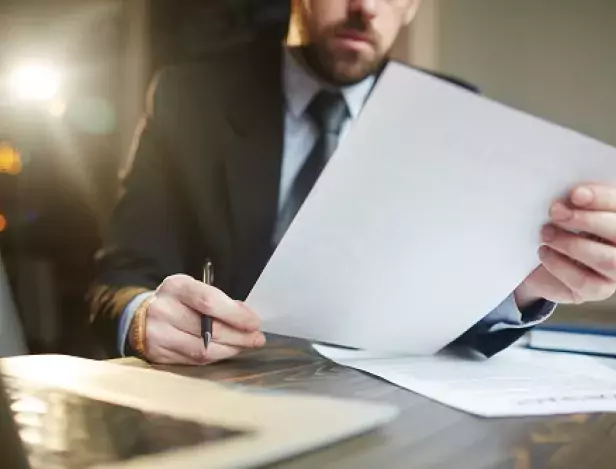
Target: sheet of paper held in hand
[426,218]
[516,382]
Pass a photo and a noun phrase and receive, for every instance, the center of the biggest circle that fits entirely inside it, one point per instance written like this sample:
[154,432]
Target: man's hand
[578,255]
[173,325]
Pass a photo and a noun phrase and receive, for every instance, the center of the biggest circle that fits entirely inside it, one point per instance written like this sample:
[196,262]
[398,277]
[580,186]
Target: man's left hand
[578,255]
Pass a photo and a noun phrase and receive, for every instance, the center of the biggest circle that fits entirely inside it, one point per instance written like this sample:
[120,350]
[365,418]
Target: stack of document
[517,382]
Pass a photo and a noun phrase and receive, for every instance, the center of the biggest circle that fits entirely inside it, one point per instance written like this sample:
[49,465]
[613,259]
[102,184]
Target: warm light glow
[3,223]
[10,159]
[35,82]
[57,108]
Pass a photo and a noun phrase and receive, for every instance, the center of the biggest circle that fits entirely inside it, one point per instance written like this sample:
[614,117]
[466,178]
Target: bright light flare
[34,82]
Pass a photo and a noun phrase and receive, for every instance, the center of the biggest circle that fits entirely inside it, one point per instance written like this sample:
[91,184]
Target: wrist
[137,331]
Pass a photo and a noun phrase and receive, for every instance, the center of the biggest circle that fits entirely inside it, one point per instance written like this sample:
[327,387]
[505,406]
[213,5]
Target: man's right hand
[173,325]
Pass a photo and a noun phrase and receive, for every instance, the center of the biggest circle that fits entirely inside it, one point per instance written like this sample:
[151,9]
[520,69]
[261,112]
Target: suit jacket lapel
[255,136]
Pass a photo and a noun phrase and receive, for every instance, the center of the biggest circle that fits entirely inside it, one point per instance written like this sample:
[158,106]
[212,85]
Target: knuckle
[173,283]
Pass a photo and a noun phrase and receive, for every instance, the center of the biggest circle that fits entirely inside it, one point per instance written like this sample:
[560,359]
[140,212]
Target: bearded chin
[341,69]
[352,70]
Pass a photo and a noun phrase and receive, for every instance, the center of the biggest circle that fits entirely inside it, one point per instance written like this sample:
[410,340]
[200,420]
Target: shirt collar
[301,86]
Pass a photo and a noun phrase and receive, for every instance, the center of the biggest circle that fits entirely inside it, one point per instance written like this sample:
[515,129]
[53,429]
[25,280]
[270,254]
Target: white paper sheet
[426,218]
[517,382]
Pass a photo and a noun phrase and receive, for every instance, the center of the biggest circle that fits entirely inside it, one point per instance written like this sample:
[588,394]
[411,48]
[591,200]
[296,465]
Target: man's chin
[342,68]
[351,67]
[346,74]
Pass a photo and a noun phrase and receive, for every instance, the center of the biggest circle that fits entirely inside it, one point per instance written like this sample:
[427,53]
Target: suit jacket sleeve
[146,241]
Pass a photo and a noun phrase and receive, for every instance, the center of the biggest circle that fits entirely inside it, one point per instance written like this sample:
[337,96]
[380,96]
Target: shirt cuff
[508,316]
[127,318]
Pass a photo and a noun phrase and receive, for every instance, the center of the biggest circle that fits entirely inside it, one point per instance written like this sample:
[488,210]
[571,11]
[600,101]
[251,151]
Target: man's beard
[344,68]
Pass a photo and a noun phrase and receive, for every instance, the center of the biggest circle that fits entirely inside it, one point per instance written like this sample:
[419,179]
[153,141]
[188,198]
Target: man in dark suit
[226,154]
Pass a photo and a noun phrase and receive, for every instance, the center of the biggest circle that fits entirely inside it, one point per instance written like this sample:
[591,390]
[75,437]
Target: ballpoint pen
[206,321]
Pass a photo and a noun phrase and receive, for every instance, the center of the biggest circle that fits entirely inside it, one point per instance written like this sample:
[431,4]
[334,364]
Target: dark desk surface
[426,435]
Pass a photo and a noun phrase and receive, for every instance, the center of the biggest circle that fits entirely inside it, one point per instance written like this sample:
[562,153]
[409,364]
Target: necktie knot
[328,110]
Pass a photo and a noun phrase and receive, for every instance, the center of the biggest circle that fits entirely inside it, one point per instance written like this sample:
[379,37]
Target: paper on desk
[426,218]
[517,382]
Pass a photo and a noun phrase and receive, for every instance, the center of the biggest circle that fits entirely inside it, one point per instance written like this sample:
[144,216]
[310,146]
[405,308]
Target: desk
[426,435]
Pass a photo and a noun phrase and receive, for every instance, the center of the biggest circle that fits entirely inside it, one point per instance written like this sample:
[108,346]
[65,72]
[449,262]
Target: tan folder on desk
[142,418]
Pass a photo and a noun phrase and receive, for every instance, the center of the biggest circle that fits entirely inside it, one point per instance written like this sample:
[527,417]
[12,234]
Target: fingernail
[543,252]
[548,234]
[582,196]
[560,212]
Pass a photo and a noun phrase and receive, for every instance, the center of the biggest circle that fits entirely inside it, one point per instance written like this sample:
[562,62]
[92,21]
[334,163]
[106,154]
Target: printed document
[516,382]
[426,218]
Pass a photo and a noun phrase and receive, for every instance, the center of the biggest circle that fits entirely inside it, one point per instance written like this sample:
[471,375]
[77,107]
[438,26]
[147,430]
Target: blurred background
[73,76]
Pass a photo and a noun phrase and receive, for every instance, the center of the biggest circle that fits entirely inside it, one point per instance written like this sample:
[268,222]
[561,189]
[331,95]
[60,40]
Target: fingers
[170,311]
[173,326]
[599,257]
[225,335]
[598,223]
[215,353]
[208,300]
[583,284]
[162,342]
[167,345]
[218,352]
[595,197]
[170,322]
[194,349]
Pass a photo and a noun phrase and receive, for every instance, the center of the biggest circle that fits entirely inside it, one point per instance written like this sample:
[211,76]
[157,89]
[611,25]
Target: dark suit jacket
[203,182]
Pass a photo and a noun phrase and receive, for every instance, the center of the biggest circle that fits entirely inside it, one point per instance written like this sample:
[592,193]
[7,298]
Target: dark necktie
[328,111]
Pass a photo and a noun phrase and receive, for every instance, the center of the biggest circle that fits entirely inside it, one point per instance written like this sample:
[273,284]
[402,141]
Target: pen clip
[208,272]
